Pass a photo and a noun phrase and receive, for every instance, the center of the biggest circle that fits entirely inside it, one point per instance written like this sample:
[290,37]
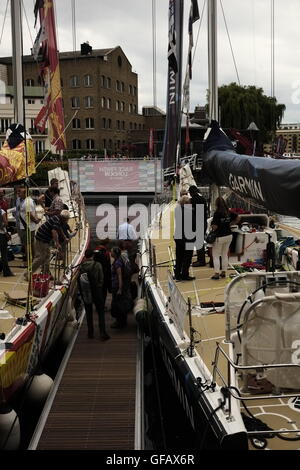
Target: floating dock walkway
[95,403]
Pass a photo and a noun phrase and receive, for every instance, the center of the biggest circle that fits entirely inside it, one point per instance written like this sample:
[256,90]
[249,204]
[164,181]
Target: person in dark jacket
[91,292]
[197,198]
[221,222]
[184,244]
[102,254]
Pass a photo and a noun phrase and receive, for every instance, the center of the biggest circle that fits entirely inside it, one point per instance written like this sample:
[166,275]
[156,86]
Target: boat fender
[39,389]
[68,331]
[9,429]
[140,309]
[71,312]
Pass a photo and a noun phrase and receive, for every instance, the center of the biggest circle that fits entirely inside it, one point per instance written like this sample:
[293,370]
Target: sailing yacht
[35,314]
[231,347]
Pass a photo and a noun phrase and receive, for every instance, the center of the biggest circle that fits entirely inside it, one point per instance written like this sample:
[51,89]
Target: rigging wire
[4,20]
[230,44]
[27,22]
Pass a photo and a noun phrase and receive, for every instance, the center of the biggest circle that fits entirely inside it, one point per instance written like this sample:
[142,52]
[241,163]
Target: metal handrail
[260,367]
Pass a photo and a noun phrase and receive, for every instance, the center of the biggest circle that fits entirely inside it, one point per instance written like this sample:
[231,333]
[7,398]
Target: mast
[212,60]
[17,53]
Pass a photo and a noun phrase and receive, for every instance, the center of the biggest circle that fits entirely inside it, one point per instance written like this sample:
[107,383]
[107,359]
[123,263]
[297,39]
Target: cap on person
[193,189]
[65,214]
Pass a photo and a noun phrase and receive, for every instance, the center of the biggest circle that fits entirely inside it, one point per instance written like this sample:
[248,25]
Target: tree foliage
[240,105]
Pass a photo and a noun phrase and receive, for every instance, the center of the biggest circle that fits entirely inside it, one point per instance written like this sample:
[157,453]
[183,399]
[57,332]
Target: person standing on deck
[197,198]
[57,204]
[120,286]
[221,222]
[91,291]
[102,254]
[27,205]
[49,231]
[183,224]
[48,193]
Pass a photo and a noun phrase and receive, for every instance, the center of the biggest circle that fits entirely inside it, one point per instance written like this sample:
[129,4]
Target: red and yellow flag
[53,107]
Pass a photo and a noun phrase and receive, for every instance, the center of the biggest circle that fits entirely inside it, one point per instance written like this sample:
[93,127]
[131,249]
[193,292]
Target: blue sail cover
[274,184]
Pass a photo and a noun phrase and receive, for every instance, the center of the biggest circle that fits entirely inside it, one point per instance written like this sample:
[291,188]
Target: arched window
[117,105]
[108,82]
[108,103]
[103,102]
[76,144]
[109,123]
[103,123]
[90,144]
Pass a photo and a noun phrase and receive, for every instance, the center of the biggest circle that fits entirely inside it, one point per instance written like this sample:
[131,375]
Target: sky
[128,23]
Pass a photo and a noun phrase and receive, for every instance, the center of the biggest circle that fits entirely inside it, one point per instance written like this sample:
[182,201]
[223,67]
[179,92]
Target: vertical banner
[173,118]
[53,108]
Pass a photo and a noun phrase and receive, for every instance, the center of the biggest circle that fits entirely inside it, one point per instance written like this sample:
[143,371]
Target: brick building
[100,95]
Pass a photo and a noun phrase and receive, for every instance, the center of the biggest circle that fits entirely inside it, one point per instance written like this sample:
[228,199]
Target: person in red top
[3,201]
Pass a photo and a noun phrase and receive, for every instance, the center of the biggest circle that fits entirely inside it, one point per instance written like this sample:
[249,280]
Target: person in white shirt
[27,205]
[126,231]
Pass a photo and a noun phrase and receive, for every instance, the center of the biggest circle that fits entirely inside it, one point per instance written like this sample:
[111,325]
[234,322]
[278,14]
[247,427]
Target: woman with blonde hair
[221,223]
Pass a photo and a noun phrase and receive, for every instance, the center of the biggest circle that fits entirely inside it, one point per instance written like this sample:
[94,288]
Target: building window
[29,82]
[117,105]
[122,87]
[103,123]
[90,144]
[134,91]
[140,127]
[130,125]
[87,80]
[74,81]
[109,143]
[118,124]
[89,123]
[40,146]
[108,103]
[122,106]
[76,144]
[76,123]
[135,126]
[103,102]
[109,123]
[104,143]
[88,101]
[123,125]
[102,81]
[108,82]
[130,108]
[118,144]
[75,102]
[130,89]
[30,101]
[134,108]
[5,123]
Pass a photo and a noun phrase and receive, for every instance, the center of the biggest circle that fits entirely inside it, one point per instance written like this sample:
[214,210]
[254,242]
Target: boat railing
[232,392]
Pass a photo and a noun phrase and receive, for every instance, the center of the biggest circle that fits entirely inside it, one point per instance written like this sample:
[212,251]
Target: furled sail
[53,107]
[273,184]
[173,119]
[17,155]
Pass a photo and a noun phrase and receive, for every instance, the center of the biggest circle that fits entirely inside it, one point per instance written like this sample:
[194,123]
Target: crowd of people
[109,268]
[187,226]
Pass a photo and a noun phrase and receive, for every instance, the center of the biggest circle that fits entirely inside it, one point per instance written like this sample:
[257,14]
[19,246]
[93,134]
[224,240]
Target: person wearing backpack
[90,287]
[120,282]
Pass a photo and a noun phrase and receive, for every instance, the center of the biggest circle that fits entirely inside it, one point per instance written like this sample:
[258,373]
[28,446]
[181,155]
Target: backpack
[85,288]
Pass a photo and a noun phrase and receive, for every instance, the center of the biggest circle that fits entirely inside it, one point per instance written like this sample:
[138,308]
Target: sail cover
[273,184]
[17,155]
[173,119]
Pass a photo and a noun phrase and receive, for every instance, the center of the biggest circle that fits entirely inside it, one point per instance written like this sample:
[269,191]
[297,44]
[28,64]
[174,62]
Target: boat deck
[94,407]
[277,413]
